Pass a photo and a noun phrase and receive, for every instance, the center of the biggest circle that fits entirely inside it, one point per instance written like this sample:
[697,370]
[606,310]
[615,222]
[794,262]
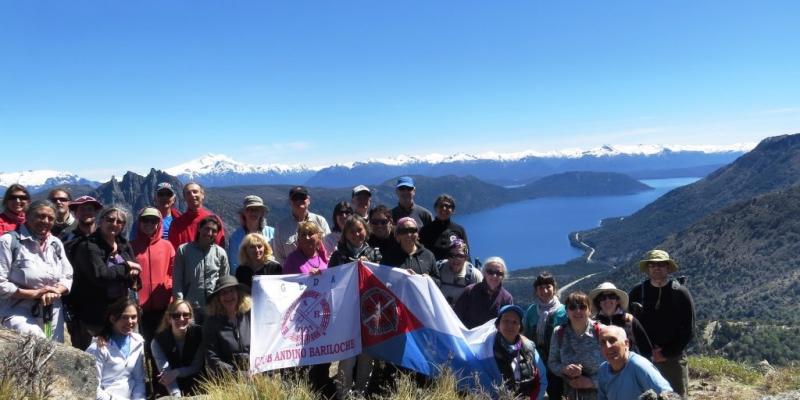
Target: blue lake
[535,232]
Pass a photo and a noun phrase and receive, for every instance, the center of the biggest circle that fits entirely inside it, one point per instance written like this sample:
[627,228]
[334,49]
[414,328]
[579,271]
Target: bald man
[625,375]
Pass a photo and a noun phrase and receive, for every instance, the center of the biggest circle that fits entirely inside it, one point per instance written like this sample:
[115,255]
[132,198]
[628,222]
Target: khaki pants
[676,371]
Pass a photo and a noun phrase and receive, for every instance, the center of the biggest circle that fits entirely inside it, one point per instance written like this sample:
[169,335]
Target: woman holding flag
[521,367]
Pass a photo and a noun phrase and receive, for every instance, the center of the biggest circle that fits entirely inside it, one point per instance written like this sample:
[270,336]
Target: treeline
[753,343]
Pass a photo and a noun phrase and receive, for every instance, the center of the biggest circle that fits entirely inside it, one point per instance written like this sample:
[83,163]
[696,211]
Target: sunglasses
[404,231]
[21,197]
[344,213]
[607,296]
[458,255]
[575,306]
[179,315]
[59,200]
[115,221]
[148,220]
[658,264]
[164,193]
[379,222]
[494,272]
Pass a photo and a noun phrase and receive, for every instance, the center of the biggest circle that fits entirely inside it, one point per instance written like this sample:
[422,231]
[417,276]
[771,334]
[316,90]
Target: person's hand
[581,382]
[134,269]
[572,370]
[168,377]
[658,356]
[49,298]
[315,271]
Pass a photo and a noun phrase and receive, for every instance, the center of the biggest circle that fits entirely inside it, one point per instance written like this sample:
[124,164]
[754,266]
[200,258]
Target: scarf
[512,349]
[545,310]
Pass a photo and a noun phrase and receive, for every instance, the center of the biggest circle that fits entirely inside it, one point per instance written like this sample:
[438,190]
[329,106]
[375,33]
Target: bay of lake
[535,232]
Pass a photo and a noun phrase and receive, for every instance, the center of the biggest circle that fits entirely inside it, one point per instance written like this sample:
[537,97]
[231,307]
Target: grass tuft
[718,367]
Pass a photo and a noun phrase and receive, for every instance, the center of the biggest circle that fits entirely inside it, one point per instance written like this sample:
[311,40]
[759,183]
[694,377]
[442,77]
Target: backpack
[565,326]
[469,276]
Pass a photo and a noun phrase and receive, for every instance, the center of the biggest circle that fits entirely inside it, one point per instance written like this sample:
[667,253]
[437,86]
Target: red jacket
[9,223]
[156,256]
[184,228]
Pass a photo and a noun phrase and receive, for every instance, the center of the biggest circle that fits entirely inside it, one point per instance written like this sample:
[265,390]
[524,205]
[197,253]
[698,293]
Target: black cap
[298,191]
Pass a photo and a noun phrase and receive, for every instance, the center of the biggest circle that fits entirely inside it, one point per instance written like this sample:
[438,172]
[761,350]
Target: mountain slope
[774,164]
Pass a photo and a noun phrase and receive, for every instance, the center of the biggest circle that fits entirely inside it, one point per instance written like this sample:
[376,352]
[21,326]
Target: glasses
[115,221]
[180,315]
[462,256]
[148,220]
[59,200]
[406,231]
[575,306]
[658,264]
[405,189]
[20,197]
[299,198]
[607,296]
[494,272]
[164,193]
[447,206]
[344,212]
[379,222]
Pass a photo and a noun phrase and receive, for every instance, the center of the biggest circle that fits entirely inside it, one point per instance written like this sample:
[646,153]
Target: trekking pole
[47,318]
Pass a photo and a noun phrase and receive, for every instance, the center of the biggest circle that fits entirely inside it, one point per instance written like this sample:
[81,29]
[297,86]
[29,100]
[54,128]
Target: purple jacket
[476,305]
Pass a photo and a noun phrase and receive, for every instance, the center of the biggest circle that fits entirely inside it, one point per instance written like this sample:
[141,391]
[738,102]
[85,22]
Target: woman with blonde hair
[227,327]
[177,350]
[255,258]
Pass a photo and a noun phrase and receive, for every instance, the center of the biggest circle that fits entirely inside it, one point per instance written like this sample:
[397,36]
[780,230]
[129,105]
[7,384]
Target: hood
[141,240]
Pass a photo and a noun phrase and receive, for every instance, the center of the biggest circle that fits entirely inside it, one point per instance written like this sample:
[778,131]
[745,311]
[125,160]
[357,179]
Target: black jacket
[228,343]
[640,342]
[98,280]
[667,315]
[421,261]
[245,274]
[436,235]
[192,344]
[343,255]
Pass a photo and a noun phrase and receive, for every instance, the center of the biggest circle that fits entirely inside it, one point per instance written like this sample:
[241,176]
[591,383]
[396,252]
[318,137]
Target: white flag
[303,320]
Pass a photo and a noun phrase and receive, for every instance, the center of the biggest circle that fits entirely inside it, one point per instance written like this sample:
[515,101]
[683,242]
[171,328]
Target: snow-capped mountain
[42,179]
[221,170]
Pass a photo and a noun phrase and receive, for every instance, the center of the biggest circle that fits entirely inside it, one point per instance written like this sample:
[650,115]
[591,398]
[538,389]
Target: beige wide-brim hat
[608,287]
[657,255]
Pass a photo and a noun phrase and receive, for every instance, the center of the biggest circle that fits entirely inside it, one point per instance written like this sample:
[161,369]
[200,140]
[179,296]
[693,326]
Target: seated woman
[609,305]
[119,353]
[574,351]
[227,327]
[34,274]
[255,258]
[480,302]
[177,350]
[522,369]
[310,256]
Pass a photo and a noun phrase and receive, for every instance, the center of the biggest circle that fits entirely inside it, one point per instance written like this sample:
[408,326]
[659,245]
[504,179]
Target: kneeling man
[625,375]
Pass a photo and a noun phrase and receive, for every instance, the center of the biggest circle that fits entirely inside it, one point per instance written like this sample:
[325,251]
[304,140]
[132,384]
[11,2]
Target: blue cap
[511,307]
[405,181]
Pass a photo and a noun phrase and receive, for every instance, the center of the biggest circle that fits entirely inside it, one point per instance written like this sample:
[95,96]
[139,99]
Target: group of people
[174,292]
[610,344]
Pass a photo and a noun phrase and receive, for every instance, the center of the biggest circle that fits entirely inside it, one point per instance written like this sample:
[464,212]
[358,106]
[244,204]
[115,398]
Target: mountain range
[135,191]
[641,162]
[736,236]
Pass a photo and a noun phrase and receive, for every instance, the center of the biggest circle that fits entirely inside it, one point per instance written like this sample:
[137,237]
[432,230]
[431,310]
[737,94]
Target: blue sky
[97,87]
